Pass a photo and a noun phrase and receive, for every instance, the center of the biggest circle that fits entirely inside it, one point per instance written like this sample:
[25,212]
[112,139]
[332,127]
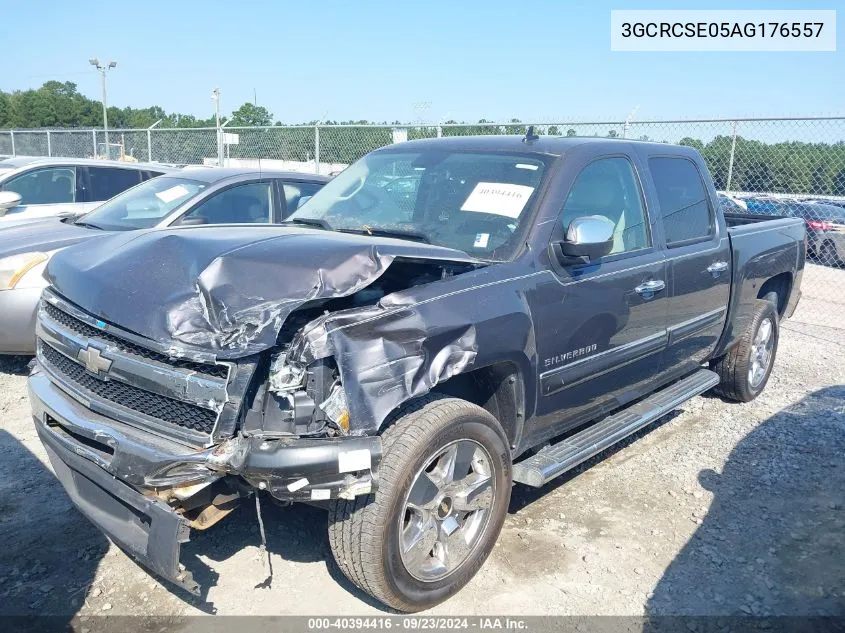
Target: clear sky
[375,60]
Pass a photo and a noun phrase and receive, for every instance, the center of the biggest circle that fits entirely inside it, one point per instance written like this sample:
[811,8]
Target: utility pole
[215,96]
[150,140]
[103,69]
[731,159]
[226,145]
[627,123]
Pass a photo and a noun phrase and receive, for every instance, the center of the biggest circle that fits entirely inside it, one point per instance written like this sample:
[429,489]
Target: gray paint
[577,340]
[226,293]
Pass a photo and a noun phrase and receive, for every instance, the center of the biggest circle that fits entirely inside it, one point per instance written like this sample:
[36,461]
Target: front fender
[403,347]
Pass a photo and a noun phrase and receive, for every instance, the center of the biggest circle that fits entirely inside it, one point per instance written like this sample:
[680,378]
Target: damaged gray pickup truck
[444,318]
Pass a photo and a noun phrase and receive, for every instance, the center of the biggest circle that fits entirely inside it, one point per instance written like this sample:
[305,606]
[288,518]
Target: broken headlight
[335,408]
[284,376]
[292,391]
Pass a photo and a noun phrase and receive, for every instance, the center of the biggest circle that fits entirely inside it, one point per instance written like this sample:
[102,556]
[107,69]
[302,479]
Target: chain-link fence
[793,167]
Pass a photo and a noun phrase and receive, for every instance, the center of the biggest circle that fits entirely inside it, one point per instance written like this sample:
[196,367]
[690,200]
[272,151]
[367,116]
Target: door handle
[717,268]
[648,288]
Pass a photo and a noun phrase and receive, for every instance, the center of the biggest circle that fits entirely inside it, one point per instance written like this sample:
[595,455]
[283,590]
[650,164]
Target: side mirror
[302,201]
[8,200]
[195,220]
[588,237]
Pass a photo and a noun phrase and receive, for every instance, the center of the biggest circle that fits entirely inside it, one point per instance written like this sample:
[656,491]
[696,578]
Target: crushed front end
[150,444]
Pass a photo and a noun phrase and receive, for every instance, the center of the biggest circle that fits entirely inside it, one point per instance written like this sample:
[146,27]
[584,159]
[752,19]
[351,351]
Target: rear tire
[375,539]
[745,369]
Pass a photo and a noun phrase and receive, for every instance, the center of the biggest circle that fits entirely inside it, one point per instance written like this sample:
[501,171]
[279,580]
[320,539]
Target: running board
[556,459]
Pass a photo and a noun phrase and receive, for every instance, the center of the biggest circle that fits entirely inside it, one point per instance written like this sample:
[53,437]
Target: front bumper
[119,477]
[144,527]
[18,308]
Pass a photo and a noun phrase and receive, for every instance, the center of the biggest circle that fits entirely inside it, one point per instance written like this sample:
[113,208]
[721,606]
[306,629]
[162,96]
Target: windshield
[143,206]
[473,201]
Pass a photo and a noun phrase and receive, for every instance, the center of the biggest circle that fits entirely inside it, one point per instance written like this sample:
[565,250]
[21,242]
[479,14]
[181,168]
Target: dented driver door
[601,326]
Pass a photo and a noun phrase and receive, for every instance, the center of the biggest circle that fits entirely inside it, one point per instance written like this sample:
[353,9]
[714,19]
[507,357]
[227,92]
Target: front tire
[444,489]
[745,369]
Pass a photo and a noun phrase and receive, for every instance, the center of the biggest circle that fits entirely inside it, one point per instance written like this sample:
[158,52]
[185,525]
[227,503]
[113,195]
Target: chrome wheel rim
[446,510]
[761,352]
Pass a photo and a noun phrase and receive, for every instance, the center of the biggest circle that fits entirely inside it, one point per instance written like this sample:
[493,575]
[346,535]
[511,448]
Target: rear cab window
[684,204]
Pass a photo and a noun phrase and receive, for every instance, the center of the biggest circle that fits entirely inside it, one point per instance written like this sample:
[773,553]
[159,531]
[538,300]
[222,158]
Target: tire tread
[732,367]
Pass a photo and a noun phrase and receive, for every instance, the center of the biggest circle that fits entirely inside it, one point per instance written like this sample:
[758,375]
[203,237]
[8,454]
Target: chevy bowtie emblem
[90,357]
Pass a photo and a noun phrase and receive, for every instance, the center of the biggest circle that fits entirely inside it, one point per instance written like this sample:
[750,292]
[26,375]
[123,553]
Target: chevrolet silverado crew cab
[444,318]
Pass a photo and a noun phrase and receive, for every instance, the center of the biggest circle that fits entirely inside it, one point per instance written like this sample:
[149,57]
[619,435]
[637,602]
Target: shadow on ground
[773,541]
[50,552]
[297,533]
[15,365]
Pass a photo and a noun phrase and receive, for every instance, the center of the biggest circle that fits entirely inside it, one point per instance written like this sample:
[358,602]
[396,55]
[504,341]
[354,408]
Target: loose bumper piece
[120,478]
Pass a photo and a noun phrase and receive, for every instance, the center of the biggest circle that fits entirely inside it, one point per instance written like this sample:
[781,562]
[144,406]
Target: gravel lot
[718,508]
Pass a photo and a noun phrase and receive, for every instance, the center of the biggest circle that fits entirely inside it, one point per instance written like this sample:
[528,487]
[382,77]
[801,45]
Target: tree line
[59,104]
[794,167]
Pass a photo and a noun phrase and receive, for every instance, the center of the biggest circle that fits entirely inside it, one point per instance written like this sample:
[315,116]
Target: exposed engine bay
[292,399]
[321,334]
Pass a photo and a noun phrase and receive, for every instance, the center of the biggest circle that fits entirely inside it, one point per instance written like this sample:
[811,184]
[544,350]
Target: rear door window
[107,182]
[684,207]
[48,185]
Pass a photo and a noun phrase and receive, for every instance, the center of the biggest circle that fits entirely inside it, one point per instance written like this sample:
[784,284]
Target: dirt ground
[718,508]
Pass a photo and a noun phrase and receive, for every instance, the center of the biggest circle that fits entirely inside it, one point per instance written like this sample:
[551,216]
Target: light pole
[215,96]
[103,69]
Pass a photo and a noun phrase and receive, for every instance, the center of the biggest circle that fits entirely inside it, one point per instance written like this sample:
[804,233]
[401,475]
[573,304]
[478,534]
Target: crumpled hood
[41,235]
[221,289]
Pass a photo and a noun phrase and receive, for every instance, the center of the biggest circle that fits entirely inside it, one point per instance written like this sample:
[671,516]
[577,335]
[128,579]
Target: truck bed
[743,219]
[763,247]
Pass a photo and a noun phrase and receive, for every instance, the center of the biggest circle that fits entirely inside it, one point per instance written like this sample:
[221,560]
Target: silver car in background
[185,198]
[32,188]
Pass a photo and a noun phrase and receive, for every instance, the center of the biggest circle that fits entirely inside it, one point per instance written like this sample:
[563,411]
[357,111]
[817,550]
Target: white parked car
[33,188]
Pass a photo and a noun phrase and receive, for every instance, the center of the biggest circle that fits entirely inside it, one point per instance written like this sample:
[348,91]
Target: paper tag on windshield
[498,198]
[481,240]
[174,193]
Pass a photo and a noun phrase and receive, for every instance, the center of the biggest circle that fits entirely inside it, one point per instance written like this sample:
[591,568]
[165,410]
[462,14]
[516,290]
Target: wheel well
[499,389]
[780,285]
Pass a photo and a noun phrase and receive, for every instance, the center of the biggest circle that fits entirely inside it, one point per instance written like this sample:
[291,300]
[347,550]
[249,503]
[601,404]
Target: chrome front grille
[150,404]
[173,396]
[89,331]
